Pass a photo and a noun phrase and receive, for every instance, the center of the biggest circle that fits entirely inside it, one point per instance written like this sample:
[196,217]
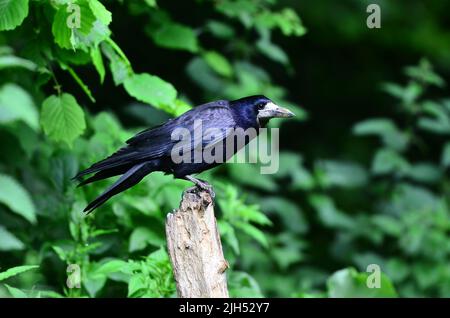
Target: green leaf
[439,122]
[97,60]
[151,3]
[16,271]
[111,266]
[253,232]
[329,214]
[242,285]
[218,63]
[7,61]
[15,292]
[119,64]
[17,104]
[272,51]
[8,242]
[66,32]
[387,161]
[348,283]
[424,73]
[141,237]
[229,235]
[151,90]
[12,13]
[62,118]
[220,29]
[445,158]
[384,128]
[137,282]
[100,12]
[17,198]
[249,174]
[343,174]
[176,36]
[424,172]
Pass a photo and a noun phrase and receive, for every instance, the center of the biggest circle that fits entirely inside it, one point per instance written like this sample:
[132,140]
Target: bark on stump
[195,248]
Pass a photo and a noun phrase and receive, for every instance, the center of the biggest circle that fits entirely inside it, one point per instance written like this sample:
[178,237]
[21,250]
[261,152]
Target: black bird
[152,149]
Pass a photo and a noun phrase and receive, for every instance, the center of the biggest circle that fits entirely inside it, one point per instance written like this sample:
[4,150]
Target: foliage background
[364,168]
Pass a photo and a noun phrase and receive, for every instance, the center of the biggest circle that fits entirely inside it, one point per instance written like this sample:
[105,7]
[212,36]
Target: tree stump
[195,248]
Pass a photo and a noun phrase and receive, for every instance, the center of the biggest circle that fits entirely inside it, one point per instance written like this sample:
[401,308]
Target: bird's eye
[260,106]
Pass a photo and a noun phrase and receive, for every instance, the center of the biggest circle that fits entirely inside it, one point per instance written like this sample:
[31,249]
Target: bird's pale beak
[271,110]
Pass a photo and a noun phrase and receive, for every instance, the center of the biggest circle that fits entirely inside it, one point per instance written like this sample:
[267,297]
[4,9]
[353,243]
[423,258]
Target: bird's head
[260,109]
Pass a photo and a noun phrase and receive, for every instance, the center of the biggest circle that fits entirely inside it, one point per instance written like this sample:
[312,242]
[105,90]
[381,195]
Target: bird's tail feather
[104,174]
[127,180]
[122,159]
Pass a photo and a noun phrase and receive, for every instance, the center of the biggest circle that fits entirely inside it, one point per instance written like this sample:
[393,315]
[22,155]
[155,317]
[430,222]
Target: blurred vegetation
[363,173]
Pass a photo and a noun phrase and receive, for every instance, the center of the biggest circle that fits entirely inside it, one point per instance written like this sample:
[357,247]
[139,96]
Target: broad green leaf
[348,283]
[16,198]
[100,12]
[8,242]
[151,90]
[16,271]
[386,129]
[272,51]
[387,161]
[424,172]
[17,104]
[388,224]
[137,282]
[218,63]
[12,13]
[141,237]
[439,122]
[249,174]
[97,60]
[242,285]
[151,3]
[329,215]
[220,29]
[15,292]
[62,118]
[290,213]
[229,235]
[253,232]
[119,67]
[72,23]
[424,73]
[176,36]
[111,266]
[7,61]
[344,174]
[286,20]
[180,107]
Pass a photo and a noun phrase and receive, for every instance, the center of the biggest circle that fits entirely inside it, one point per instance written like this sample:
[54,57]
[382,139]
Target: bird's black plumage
[151,149]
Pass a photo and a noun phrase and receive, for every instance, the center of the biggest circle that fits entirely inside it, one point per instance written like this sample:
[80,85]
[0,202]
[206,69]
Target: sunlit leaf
[176,36]
[12,13]
[16,271]
[348,283]
[8,241]
[62,118]
[17,198]
[151,89]
[17,104]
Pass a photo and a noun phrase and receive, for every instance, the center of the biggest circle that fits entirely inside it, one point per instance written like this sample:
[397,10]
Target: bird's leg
[201,184]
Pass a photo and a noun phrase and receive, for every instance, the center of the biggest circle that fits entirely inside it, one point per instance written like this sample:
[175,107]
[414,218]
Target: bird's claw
[206,187]
[202,186]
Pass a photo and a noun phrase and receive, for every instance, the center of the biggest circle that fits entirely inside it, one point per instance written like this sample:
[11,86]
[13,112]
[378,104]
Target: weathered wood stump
[195,248]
